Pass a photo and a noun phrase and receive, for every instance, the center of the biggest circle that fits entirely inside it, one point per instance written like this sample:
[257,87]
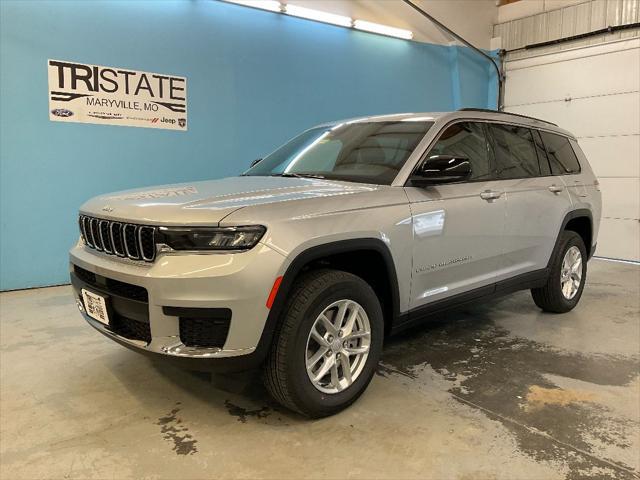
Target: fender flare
[315,253]
[580,212]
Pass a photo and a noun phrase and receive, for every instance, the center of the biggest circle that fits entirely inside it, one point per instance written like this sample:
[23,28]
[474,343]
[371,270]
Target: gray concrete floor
[496,391]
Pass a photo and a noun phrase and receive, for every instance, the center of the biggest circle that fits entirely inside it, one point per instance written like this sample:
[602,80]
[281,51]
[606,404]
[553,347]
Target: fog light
[80,306]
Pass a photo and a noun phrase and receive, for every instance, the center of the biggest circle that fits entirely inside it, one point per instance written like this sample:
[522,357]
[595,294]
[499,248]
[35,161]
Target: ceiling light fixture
[383,29]
[271,5]
[324,17]
[318,15]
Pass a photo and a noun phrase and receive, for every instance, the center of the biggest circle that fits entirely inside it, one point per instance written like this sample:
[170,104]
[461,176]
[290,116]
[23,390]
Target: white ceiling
[473,19]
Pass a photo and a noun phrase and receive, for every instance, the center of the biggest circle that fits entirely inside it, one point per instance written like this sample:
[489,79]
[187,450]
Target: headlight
[206,238]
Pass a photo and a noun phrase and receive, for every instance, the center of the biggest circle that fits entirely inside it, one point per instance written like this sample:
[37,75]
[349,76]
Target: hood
[208,202]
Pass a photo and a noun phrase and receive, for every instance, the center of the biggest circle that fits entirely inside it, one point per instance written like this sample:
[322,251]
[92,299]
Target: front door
[457,228]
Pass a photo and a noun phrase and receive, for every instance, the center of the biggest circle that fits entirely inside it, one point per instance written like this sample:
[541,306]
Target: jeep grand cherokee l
[349,232]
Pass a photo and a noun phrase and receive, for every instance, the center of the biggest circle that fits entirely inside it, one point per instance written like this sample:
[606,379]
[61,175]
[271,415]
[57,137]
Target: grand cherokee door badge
[447,263]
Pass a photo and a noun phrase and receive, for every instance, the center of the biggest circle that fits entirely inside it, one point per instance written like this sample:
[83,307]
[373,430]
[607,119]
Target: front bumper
[236,282]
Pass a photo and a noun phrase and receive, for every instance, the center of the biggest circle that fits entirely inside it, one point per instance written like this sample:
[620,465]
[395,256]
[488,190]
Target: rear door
[537,200]
[457,228]
[563,162]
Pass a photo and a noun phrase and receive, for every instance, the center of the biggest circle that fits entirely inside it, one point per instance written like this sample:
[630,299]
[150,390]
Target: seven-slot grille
[136,242]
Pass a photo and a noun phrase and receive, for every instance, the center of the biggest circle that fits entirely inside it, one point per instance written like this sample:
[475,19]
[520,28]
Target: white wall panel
[603,74]
[614,156]
[619,239]
[583,18]
[614,12]
[620,198]
[598,14]
[513,11]
[562,19]
[594,92]
[568,25]
[590,117]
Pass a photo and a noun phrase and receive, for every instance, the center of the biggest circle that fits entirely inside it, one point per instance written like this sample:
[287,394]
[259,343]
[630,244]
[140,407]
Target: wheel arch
[581,222]
[311,256]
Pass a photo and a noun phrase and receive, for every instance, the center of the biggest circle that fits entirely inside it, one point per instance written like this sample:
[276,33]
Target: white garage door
[593,92]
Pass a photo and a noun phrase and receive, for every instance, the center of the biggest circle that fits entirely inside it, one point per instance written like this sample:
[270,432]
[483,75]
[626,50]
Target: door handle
[489,195]
[556,189]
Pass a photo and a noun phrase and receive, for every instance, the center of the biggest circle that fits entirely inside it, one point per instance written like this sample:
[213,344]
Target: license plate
[95,306]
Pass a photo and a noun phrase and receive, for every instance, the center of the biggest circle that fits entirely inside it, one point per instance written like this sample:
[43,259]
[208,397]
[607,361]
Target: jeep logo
[168,120]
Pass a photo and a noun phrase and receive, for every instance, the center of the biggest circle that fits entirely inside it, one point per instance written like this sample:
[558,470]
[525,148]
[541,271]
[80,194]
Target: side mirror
[441,169]
[255,162]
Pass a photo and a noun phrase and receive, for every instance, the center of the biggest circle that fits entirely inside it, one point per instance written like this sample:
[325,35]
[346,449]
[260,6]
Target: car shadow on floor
[526,385]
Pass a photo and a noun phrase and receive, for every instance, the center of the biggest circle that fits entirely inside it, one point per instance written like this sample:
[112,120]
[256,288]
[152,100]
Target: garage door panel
[620,197]
[601,84]
[590,117]
[568,78]
[613,156]
[619,239]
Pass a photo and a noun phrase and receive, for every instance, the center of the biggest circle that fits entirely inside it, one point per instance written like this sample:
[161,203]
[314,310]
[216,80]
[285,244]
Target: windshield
[367,152]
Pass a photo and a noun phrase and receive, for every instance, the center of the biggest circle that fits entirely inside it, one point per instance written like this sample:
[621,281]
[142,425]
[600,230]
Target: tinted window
[562,158]
[542,154]
[515,152]
[370,152]
[468,140]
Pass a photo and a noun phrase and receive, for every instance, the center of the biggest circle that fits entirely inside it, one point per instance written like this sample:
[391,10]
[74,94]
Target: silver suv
[349,232]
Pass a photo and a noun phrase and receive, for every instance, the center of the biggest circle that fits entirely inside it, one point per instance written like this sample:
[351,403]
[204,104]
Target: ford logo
[62,112]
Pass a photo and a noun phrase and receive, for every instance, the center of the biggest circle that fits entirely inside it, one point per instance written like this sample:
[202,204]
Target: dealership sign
[85,93]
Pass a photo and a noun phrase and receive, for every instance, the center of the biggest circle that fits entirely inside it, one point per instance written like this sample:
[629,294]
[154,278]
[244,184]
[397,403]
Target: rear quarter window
[562,158]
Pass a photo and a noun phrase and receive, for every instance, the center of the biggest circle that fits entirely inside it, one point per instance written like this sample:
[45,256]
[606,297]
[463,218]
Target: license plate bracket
[95,305]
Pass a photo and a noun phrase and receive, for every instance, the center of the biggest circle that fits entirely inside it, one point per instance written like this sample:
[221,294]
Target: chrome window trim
[440,131]
[443,122]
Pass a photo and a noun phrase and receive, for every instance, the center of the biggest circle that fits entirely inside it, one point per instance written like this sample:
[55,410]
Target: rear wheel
[567,277]
[328,344]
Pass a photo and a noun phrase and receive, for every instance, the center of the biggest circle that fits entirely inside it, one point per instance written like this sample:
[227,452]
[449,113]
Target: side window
[562,158]
[466,139]
[545,169]
[515,152]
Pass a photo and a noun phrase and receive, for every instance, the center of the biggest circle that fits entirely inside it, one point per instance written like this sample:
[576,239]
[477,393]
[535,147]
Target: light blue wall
[472,78]
[255,79]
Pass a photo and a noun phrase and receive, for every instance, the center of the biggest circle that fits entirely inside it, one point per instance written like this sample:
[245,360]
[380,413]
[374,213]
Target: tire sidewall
[304,392]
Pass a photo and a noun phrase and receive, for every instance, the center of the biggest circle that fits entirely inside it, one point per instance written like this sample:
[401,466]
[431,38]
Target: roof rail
[487,110]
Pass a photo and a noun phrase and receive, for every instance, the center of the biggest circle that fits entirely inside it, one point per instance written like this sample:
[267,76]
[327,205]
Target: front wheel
[567,276]
[328,344]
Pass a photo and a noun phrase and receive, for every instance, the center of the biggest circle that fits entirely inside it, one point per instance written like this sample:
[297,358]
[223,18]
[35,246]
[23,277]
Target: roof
[466,113]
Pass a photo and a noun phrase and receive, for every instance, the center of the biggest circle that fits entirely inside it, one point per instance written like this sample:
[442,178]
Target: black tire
[550,297]
[285,374]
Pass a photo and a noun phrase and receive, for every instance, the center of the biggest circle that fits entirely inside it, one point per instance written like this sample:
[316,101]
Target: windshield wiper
[298,175]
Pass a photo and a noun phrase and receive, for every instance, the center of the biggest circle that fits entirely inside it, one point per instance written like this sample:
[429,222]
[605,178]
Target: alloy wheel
[338,346]
[571,273]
